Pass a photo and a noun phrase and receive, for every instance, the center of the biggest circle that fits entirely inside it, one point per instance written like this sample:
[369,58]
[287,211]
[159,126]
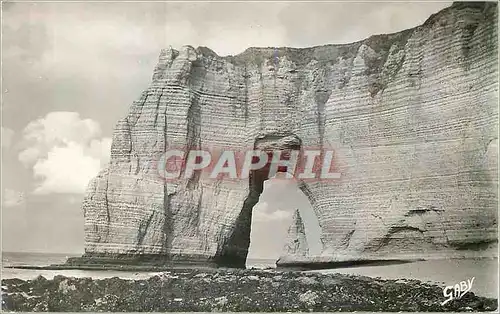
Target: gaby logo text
[457,291]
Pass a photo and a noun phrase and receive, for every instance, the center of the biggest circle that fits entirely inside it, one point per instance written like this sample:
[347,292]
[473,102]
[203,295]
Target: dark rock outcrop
[232,291]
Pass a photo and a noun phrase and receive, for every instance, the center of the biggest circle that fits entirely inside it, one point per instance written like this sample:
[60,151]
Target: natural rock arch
[418,175]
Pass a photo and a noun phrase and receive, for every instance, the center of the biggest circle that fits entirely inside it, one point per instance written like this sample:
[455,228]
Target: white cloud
[62,127]
[280,215]
[262,213]
[64,151]
[11,198]
[29,155]
[7,135]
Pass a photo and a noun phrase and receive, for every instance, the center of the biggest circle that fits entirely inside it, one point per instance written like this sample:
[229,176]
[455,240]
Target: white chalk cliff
[412,118]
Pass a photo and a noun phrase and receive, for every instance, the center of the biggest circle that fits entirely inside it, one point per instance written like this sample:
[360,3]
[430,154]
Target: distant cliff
[296,246]
[412,118]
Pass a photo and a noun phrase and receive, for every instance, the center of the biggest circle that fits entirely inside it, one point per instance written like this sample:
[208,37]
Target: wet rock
[309,297]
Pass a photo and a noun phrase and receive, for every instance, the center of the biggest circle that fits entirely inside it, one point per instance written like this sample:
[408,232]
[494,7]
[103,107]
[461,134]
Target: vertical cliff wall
[412,118]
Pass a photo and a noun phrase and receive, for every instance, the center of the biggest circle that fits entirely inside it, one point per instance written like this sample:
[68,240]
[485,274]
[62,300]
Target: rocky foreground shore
[232,290]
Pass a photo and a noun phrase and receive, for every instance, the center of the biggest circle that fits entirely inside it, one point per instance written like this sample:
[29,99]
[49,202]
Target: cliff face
[412,118]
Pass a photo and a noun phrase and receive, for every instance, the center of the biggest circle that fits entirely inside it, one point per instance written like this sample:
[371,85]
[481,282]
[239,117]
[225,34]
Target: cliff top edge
[380,41]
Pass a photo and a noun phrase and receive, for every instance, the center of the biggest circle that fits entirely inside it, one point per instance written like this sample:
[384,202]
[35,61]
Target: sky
[70,70]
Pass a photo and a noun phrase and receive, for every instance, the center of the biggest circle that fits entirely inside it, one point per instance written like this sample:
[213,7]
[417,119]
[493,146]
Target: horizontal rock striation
[412,118]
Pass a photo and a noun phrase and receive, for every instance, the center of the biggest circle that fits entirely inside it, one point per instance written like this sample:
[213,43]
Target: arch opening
[272,218]
[235,250]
